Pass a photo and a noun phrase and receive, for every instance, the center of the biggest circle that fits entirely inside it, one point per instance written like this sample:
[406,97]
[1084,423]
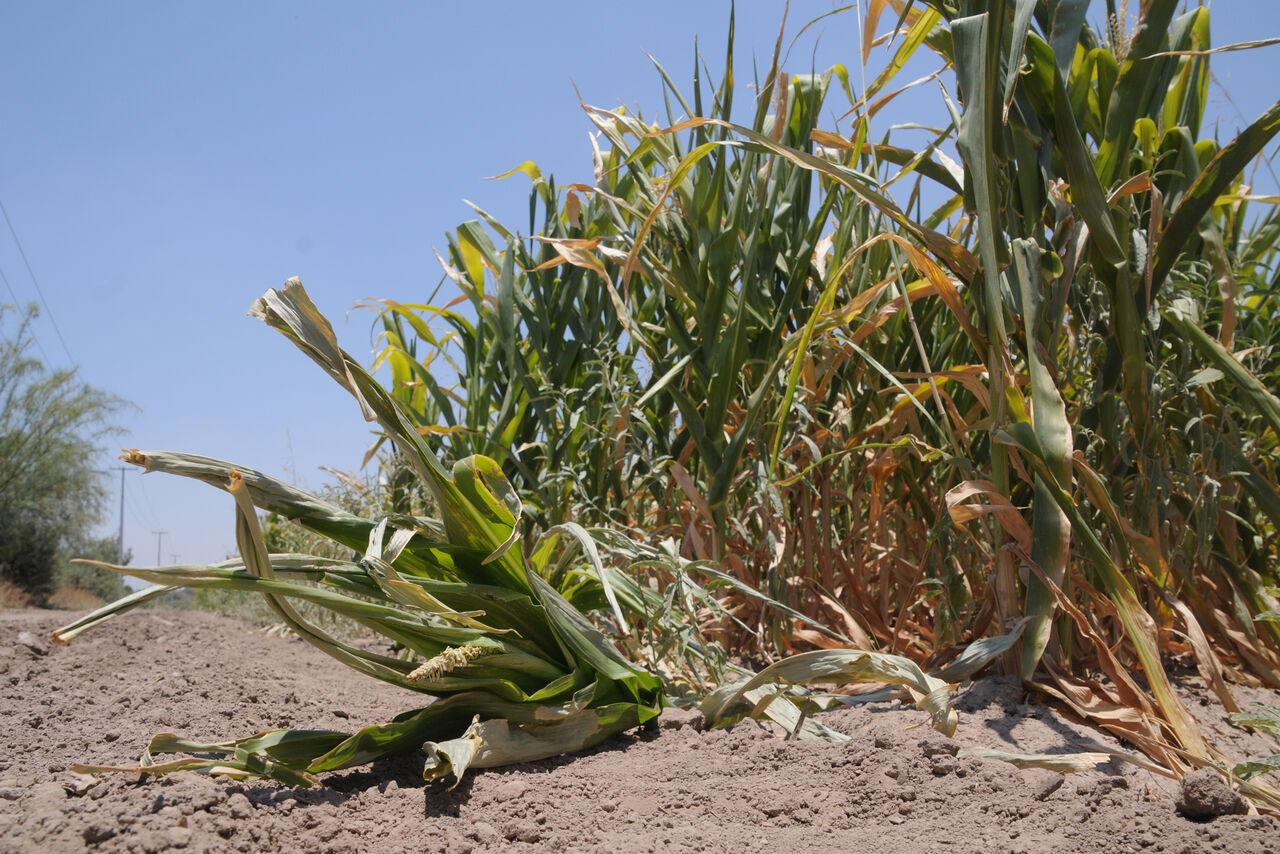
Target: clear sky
[164,163]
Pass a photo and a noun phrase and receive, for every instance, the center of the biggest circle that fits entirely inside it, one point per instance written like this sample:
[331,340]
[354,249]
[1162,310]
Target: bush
[101,583]
[50,494]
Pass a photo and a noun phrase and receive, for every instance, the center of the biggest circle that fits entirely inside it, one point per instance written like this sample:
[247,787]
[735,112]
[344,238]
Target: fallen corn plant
[496,633]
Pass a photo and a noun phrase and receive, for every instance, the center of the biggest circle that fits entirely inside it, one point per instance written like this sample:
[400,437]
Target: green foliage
[1263,719]
[483,629]
[102,583]
[284,536]
[50,428]
[1051,398]
[497,635]
[1042,412]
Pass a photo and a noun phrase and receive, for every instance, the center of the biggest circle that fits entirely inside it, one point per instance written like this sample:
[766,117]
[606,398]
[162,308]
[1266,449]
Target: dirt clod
[98,831]
[1046,787]
[34,643]
[1205,795]
[936,747]
[673,718]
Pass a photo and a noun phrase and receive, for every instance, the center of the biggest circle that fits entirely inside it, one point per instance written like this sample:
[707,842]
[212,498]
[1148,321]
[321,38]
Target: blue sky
[164,163]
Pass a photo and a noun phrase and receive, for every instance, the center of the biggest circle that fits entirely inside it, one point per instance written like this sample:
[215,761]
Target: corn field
[763,391]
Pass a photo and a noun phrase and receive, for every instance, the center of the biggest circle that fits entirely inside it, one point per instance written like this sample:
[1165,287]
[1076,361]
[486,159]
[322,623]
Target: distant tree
[103,583]
[51,425]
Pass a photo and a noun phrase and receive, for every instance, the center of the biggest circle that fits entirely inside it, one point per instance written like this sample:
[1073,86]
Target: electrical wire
[34,281]
[17,304]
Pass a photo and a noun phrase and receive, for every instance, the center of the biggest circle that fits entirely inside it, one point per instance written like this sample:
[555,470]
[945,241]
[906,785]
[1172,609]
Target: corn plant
[650,327]
[495,632]
[1048,396]
[513,662]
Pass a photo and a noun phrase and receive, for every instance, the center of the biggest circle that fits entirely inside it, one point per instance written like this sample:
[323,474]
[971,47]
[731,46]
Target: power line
[146,500]
[35,282]
[17,304]
[135,512]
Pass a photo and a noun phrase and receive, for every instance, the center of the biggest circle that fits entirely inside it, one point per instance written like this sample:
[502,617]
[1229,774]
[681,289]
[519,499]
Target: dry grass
[11,596]
[72,598]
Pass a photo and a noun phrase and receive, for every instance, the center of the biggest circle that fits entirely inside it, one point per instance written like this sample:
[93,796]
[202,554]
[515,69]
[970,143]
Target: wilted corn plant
[1075,350]
[652,399]
[496,633]
[1098,216]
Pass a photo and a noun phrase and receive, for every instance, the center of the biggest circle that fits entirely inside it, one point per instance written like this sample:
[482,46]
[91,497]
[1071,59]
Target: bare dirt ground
[896,787]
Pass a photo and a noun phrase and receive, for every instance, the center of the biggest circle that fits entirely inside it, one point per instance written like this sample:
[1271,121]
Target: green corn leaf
[980,653]
[1051,530]
[1213,181]
[1013,61]
[1138,624]
[469,518]
[72,630]
[1251,768]
[1066,19]
[1255,392]
[1260,717]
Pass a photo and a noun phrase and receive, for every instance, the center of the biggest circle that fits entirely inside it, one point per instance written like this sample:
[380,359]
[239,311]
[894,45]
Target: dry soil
[896,787]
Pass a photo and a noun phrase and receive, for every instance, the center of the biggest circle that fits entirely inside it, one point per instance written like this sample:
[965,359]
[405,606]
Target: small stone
[1205,796]
[341,713]
[1048,786]
[178,837]
[79,784]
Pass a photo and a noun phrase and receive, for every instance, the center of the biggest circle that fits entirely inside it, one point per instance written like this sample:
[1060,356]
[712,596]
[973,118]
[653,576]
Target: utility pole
[120,536]
[173,557]
[159,538]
